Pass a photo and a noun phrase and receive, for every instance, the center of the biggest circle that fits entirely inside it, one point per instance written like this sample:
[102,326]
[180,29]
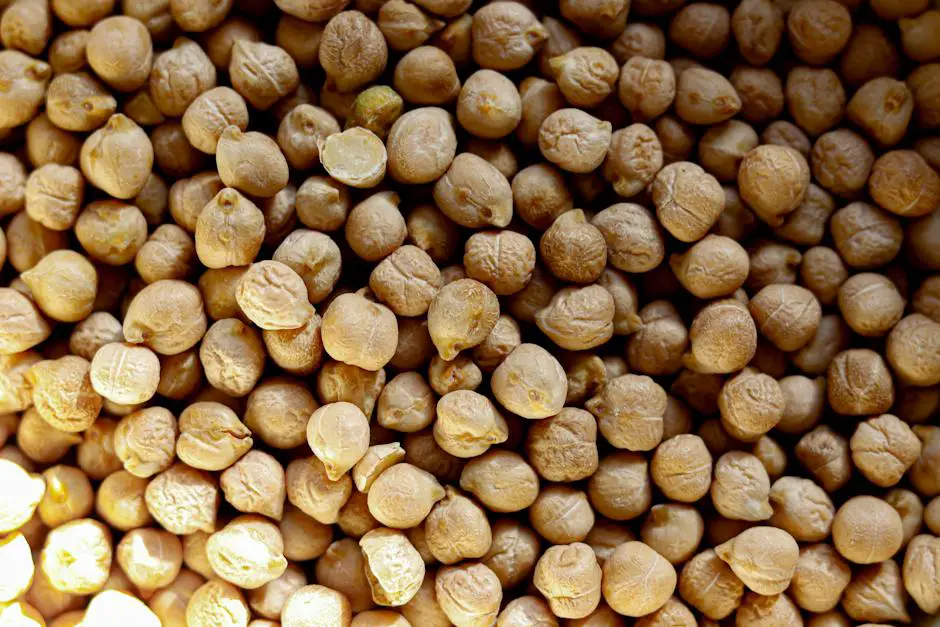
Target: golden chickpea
[866,530]
[232,356]
[63,393]
[27,79]
[751,404]
[125,373]
[217,603]
[530,382]
[764,558]
[801,508]
[262,73]
[705,97]
[199,16]
[255,484]
[120,501]
[674,531]
[637,580]
[758,27]
[247,552]
[342,568]
[403,495]
[269,599]
[468,424]
[502,481]
[409,159]
[709,585]
[211,436]
[709,352]
[77,556]
[68,496]
[469,594]
[338,434]
[117,158]
[337,382]
[54,195]
[393,567]
[480,312]
[359,332]
[821,577]
[63,284]
[859,383]
[620,488]
[27,26]
[196,512]
[506,36]
[870,304]
[47,143]
[629,410]
[352,28]
[681,468]
[38,441]
[210,113]
[251,162]
[862,602]
[574,140]
[741,487]
[773,181]
[179,76]
[277,411]
[273,296]
[570,578]
[562,514]
[120,51]
[151,558]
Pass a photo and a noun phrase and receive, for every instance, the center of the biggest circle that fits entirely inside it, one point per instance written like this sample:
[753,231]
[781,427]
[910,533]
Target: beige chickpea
[815,99]
[637,580]
[403,495]
[620,488]
[866,236]
[501,260]
[232,356]
[657,346]
[489,105]
[27,78]
[359,332]
[919,575]
[639,39]
[830,154]
[634,158]
[125,373]
[773,181]
[715,266]
[859,383]
[540,195]
[376,460]
[229,230]
[54,195]
[723,147]
[647,87]
[273,296]
[15,389]
[38,441]
[479,312]
[468,424]
[705,97]
[311,491]
[513,552]
[278,410]
[540,98]
[27,241]
[564,447]
[764,558]
[338,382]
[169,253]
[526,610]
[468,594]
[269,599]
[352,28]
[169,603]
[117,158]
[681,468]
[406,404]
[877,594]
[629,410]
[409,160]
[120,51]
[757,609]
[801,508]
[204,422]
[709,352]
[502,481]
[804,401]
[338,434]
[300,133]
[112,232]
[826,456]
[47,143]
[199,16]
[674,531]
[142,109]
[151,558]
[120,501]
[210,113]
[179,76]
[796,315]
[709,585]
[375,227]
[217,602]
[68,496]
[262,73]
[574,140]
[741,488]
[473,193]
[578,318]
[688,200]
[903,183]
[251,162]
[866,530]
[570,578]
[870,304]
[379,107]
[751,404]
[910,346]
[502,340]
[77,556]
[820,578]
[247,552]
[883,108]
[758,27]
[562,514]
[63,393]
[506,36]
[95,455]
[255,484]
[64,285]
[144,441]
[883,449]
[585,75]
[457,529]
[188,197]
[530,382]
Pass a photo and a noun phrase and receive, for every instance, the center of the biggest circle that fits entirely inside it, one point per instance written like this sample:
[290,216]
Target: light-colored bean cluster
[417,313]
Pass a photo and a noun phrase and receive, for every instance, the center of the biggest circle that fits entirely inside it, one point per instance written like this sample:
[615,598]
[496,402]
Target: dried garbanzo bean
[884,448]
[764,558]
[859,383]
[506,36]
[574,140]
[409,159]
[117,158]
[179,76]
[120,501]
[120,51]
[217,603]
[78,102]
[125,373]
[585,75]
[77,556]
[403,495]
[866,530]
[709,350]
[262,73]
[232,356]
[637,580]
[27,79]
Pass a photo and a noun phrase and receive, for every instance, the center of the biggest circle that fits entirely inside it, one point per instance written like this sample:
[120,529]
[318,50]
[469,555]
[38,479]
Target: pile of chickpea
[418,313]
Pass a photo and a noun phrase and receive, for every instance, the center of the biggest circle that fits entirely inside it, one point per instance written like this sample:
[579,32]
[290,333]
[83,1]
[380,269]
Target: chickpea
[77,556]
[758,27]
[620,488]
[247,552]
[634,158]
[796,315]
[639,40]
[717,600]
[117,158]
[126,65]
[173,153]
[210,113]
[764,558]
[870,304]
[866,236]
[502,481]
[818,29]
[585,75]
[78,102]
[825,455]
[866,530]
[909,347]
[709,352]
[705,97]
[262,73]
[403,495]
[578,318]
[715,266]
[688,200]
[634,566]
[903,183]
[859,383]
[506,36]
[216,602]
[27,26]
[574,140]
[27,79]
[489,105]
[151,558]
[889,440]
[570,578]
[741,488]
[919,578]
[816,99]
[409,160]
[647,87]
[46,143]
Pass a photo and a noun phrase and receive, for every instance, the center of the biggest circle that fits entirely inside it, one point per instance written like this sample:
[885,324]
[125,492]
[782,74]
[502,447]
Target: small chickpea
[120,501]
[379,107]
[681,468]
[859,383]
[232,356]
[251,162]
[804,401]
[406,404]
[489,105]
[142,109]
[120,51]
[657,346]
[741,488]
[883,449]
[262,73]
[723,147]
[702,29]
[570,578]
[468,424]
[574,140]
[818,29]
[715,266]
[270,599]
[118,157]
[502,340]
[866,530]
[461,373]
[403,495]
[302,131]
[639,40]
[247,552]
[54,195]
[169,603]
[709,350]
[709,585]
[801,508]
[815,99]
[637,580]
[764,558]
[64,285]
[112,232]
[27,78]
[647,87]
[125,373]
[352,29]
[169,253]
[634,158]
[705,97]
[229,230]
[77,556]
[278,410]
[473,193]
[903,183]
[457,529]
[63,393]
[188,197]
[502,481]
[218,602]
[585,75]
[506,36]
[375,227]
[409,160]
[38,441]
[761,92]
[501,260]
[825,454]
[688,200]
[151,558]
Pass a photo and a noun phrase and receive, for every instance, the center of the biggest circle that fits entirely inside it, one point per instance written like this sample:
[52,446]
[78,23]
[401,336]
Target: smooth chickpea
[715,266]
[247,552]
[125,373]
[620,488]
[634,567]
[409,160]
[28,78]
[870,304]
[403,495]
[77,556]
[773,181]
[741,488]
[151,558]
[120,51]
[866,530]
[120,501]
[47,143]
[705,97]
[502,481]
[909,347]
[764,558]
[117,158]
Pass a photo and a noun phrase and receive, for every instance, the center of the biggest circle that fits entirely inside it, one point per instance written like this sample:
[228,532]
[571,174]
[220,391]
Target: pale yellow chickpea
[77,556]
[328,606]
[862,603]
[211,436]
[120,501]
[247,552]
[764,558]
[232,355]
[196,513]
[125,373]
[63,393]
[255,484]
[151,558]
[338,434]
[403,495]
[38,441]
[64,284]
[117,158]
[217,603]
[311,491]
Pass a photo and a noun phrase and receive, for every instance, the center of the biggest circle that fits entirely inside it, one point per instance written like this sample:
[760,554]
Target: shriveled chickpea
[903,183]
[764,558]
[859,383]
[393,567]
[179,76]
[479,312]
[359,332]
[585,75]
[647,87]
[337,382]
[262,73]
[637,580]
[578,318]
[818,29]
[574,140]
[815,99]
[801,508]
[866,530]
[273,296]
[751,404]
[501,260]
[773,181]
[657,347]
[217,602]
[255,484]
[634,158]
[825,454]
[247,552]
[681,468]
[629,410]
[232,356]
[469,593]
[502,481]
[715,266]
[870,304]
[77,556]
[403,495]
[169,253]
[787,315]
[741,488]
[758,28]
[506,36]
[111,231]
[564,447]
[205,423]
[311,491]
[866,236]
[63,393]
[821,577]
[876,594]
[352,28]
[117,158]
[468,424]
[54,195]
[709,350]
[884,448]
[688,200]
[570,578]
[883,108]
[639,40]
[27,79]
